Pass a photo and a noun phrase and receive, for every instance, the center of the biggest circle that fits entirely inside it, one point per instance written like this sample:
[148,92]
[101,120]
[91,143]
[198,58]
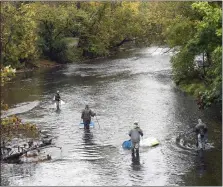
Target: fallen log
[16,156]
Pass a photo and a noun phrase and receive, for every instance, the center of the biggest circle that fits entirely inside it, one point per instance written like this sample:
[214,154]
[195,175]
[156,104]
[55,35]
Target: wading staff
[97,121]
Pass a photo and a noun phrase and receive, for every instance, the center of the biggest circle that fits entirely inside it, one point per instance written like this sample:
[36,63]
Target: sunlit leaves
[193,27]
[212,16]
[12,126]
[198,33]
[18,33]
[6,74]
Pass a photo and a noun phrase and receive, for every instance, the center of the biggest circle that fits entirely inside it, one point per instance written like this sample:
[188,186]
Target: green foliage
[196,34]
[110,25]
[47,29]
[214,94]
[183,65]
[18,34]
[56,23]
[63,52]
[193,87]
[180,32]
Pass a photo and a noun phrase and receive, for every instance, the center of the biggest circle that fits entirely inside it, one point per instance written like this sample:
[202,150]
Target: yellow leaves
[6,73]
[92,3]
[4,106]
[132,6]
[13,125]
[19,32]
[14,119]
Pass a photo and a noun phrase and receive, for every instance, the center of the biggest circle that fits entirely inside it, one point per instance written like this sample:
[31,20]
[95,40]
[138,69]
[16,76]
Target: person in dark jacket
[57,96]
[135,134]
[86,115]
[57,99]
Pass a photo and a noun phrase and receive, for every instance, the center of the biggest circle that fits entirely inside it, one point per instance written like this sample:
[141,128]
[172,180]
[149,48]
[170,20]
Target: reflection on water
[201,166]
[58,110]
[135,162]
[88,137]
[133,86]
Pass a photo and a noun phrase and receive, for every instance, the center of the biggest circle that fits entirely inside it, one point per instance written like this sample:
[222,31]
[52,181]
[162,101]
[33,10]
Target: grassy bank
[202,92]
[193,87]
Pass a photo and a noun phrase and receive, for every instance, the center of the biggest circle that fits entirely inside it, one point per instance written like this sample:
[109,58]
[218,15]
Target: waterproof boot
[133,153]
[137,153]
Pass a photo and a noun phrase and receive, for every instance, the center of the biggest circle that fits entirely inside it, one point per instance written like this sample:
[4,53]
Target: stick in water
[97,121]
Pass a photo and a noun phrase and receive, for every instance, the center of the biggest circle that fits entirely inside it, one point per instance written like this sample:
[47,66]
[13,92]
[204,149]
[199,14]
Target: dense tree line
[71,31]
[195,30]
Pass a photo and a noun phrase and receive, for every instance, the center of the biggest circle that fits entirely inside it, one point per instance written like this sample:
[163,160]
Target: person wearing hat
[57,99]
[135,133]
[86,115]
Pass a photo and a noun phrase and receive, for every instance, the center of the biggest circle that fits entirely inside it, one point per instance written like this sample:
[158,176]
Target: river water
[134,85]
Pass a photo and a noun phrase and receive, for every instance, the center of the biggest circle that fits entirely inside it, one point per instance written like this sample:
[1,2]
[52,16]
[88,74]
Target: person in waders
[57,100]
[86,115]
[135,134]
[201,129]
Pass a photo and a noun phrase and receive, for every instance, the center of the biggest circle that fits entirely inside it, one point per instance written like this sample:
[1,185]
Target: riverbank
[38,64]
[193,87]
[46,63]
[198,90]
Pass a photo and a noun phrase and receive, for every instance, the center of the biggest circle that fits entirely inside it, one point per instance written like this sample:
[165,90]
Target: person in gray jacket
[135,137]
[201,128]
[86,115]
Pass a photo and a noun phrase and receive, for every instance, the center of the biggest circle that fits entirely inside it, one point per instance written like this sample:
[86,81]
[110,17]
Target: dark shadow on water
[136,162]
[201,163]
[88,137]
[205,171]
[201,166]
[58,111]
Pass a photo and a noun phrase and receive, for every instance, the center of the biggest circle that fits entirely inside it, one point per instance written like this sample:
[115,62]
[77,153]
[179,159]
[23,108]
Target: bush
[63,53]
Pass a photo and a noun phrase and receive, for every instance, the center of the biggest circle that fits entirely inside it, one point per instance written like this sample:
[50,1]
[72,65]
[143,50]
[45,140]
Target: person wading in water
[86,115]
[135,134]
[57,99]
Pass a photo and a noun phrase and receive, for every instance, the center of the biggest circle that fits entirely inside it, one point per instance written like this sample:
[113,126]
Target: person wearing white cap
[135,137]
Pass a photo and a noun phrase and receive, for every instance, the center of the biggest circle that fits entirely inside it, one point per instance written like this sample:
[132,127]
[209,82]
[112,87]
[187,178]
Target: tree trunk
[204,66]
[123,41]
